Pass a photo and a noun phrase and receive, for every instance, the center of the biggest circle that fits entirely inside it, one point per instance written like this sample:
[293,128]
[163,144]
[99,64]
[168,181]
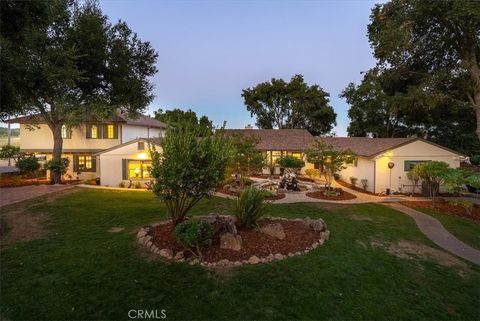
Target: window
[410,164]
[297,155]
[139,169]
[141,146]
[94,131]
[84,163]
[110,131]
[353,162]
[276,155]
[66,133]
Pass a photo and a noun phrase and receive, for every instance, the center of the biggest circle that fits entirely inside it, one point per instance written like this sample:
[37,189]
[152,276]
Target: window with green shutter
[410,164]
[84,163]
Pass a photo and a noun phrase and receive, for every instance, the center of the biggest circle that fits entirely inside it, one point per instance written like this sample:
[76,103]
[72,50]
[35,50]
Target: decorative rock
[270,257]
[327,235]
[321,241]
[274,230]
[298,253]
[318,225]
[237,263]
[253,260]
[179,256]
[228,241]
[228,226]
[194,261]
[149,243]
[212,218]
[291,254]
[279,256]
[141,233]
[223,262]
[315,245]
[166,253]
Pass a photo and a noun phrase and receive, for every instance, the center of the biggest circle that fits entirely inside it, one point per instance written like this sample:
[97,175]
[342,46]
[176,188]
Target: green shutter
[89,131]
[115,131]
[75,163]
[124,169]
[94,164]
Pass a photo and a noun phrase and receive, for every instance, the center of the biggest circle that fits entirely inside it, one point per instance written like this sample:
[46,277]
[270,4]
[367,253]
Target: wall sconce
[142,156]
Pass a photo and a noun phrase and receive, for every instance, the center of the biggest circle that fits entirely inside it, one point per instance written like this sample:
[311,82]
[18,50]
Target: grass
[83,272]
[463,228]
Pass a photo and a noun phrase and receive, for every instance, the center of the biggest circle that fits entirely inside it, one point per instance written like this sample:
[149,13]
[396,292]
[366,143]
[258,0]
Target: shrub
[364,183]
[28,164]
[195,235]
[249,207]
[353,181]
[336,176]
[312,173]
[475,159]
[138,185]
[433,173]
[466,204]
[58,166]
[122,184]
[291,163]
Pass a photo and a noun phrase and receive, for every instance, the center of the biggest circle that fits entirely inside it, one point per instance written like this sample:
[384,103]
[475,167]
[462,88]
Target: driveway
[11,195]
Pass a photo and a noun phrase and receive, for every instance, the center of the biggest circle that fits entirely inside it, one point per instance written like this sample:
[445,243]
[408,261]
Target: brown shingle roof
[277,139]
[366,146]
[142,120]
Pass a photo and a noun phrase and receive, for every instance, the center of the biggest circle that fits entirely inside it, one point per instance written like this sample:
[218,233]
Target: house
[383,162]
[87,144]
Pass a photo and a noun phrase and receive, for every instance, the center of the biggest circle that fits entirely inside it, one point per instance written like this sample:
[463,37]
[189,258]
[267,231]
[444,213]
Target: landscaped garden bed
[355,188]
[339,195]
[447,207]
[273,239]
[269,196]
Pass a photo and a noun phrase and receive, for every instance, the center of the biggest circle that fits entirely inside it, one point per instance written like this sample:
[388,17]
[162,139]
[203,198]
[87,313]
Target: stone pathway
[11,195]
[435,231]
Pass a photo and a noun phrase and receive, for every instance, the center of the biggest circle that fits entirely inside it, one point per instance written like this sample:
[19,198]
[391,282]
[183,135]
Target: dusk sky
[210,50]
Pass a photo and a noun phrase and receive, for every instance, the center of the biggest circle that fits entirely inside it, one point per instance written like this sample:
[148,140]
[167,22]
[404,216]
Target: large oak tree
[295,104]
[64,60]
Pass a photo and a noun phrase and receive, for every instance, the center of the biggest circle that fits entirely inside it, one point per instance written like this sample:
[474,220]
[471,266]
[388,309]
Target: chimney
[249,126]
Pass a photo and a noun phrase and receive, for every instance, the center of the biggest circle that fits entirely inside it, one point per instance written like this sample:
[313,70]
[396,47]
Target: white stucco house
[372,155]
[97,149]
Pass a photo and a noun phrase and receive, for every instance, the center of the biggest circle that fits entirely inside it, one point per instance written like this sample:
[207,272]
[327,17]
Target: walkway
[11,195]
[435,231]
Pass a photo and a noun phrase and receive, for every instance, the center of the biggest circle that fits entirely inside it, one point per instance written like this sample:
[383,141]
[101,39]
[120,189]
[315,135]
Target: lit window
[276,155]
[94,132]
[139,169]
[297,155]
[85,163]
[110,131]
[65,132]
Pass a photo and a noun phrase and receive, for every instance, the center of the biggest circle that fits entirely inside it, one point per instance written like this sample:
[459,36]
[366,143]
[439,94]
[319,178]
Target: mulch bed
[10,182]
[298,238]
[274,197]
[443,206]
[276,176]
[355,188]
[344,196]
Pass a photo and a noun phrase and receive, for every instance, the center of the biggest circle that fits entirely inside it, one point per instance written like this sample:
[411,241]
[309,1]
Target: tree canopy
[177,116]
[78,64]
[295,104]
[427,78]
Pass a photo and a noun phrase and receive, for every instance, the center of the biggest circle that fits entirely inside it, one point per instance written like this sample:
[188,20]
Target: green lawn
[83,272]
[464,229]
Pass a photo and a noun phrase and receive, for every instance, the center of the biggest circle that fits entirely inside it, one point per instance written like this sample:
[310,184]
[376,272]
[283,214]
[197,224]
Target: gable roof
[277,139]
[370,147]
[155,141]
[142,120]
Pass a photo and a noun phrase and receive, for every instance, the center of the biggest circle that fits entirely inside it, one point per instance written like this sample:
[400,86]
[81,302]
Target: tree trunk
[56,176]
[476,107]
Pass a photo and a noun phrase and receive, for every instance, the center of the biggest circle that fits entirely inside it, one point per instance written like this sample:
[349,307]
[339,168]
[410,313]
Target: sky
[210,50]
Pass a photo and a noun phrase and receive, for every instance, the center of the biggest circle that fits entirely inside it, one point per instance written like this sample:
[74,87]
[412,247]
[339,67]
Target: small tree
[433,173]
[312,173]
[329,158]
[188,168]
[290,163]
[245,157]
[413,176]
[58,166]
[10,151]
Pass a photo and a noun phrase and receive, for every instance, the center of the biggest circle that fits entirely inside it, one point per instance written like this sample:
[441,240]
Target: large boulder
[229,241]
[274,230]
[227,225]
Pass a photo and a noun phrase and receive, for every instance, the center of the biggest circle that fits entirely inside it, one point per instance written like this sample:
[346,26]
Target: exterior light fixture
[142,156]
[390,166]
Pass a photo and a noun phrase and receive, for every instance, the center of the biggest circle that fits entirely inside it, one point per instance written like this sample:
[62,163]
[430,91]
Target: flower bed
[355,188]
[256,245]
[445,207]
[268,197]
[343,196]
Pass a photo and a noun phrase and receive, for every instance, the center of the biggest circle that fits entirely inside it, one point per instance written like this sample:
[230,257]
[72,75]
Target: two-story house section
[82,143]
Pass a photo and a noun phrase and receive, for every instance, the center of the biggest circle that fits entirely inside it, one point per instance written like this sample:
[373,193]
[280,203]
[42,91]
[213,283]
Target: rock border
[145,239]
